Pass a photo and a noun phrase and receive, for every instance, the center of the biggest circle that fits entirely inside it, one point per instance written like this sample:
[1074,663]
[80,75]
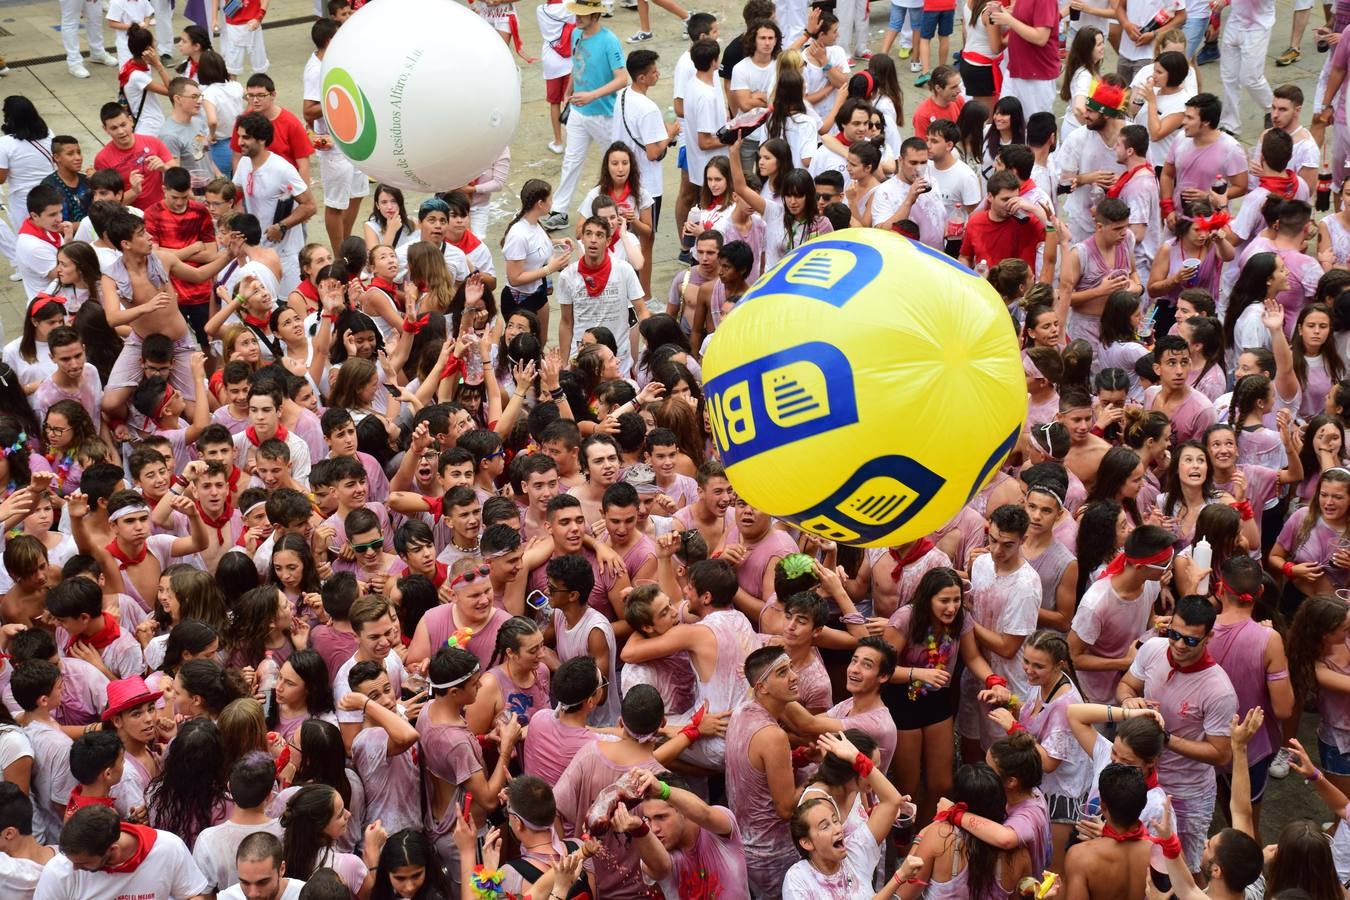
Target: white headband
[768,670]
[458,681]
[249,511]
[131,510]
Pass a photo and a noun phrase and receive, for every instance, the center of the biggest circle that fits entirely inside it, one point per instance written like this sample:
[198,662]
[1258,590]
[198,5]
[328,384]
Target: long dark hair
[1317,617]
[980,788]
[1017,124]
[606,182]
[188,636]
[882,68]
[531,193]
[1250,287]
[789,99]
[406,849]
[190,788]
[323,758]
[657,330]
[22,120]
[933,581]
[1331,360]
[1173,484]
[1080,57]
[378,217]
[309,577]
[1303,860]
[970,122]
[782,154]
[1115,468]
[307,814]
[312,670]
[1096,539]
[102,343]
[1116,326]
[1308,455]
[509,635]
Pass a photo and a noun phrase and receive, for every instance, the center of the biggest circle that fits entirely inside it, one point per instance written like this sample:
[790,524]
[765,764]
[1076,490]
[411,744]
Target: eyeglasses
[371,547]
[826,196]
[1174,635]
[257,98]
[470,576]
[55,430]
[501,452]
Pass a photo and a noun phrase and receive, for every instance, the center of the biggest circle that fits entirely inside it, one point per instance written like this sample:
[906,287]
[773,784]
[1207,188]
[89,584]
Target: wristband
[956,816]
[1288,569]
[1170,846]
[641,832]
[1315,776]
[863,765]
[1168,206]
[665,791]
[1244,507]
[854,618]
[556,395]
[690,731]
[993,681]
[1016,727]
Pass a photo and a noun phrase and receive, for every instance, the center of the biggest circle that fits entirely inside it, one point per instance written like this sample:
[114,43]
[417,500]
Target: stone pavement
[31,41]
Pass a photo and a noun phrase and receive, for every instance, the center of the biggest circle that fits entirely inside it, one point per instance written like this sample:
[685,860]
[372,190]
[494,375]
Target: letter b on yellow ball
[865,388]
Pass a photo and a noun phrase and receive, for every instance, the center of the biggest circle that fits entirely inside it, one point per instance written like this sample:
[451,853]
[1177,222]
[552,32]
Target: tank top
[955,887]
[1241,649]
[1334,708]
[764,834]
[522,701]
[736,639]
[1340,238]
[1050,565]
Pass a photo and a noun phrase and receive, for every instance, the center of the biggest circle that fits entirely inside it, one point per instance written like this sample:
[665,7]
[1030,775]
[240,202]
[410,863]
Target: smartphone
[538,601]
[393,390]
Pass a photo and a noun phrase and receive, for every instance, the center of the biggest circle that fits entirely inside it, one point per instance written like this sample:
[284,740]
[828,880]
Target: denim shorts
[1194,29]
[1334,761]
[900,13]
[937,23]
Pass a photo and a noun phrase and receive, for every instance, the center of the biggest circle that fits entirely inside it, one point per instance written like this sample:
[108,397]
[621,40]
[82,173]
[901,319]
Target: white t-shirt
[216,846]
[167,872]
[1168,104]
[151,119]
[644,201]
[28,163]
[228,99]
[456,263]
[276,179]
[638,122]
[853,881]
[530,243]
[815,77]
[393,666]
[35,259]
[705,111]
[290,892]
[609,309]
[128,12]
[311,88]
[802,133]
[749,76]
[679,80]
[957,187]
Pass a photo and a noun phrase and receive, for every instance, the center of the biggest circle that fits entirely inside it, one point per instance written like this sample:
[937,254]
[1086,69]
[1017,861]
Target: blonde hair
[426,266]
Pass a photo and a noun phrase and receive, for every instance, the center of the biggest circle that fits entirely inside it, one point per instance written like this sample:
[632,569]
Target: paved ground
[30,39]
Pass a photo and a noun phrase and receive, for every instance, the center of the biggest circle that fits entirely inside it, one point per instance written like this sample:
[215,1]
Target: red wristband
[1244,507]
[691,731]
[863,765]
[1288,569]
[956,817]
[1168,206]
[1170,846]
[800,757]
[995,681]
[1016,727]
[641,831]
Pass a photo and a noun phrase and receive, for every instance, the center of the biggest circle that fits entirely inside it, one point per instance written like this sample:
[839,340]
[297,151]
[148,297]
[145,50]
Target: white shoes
[555,147]
[79,71]
[1279,766]
[103,59]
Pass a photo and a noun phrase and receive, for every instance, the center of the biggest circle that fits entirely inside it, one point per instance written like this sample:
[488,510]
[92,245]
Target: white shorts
[236,41]
[1300,5]
[342,181]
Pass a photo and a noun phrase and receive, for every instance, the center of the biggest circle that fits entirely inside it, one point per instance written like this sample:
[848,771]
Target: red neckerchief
[219,523]
[1026,187]
[623,195]
[844,139]
[100,639]
[42,234]
[1285,186]
[260,324]
[78,801]
[307,290]
[1116,189]
[192,69]
[1204,662]
[235,474]
[145,841]
[385,285]
[252,434]
[125,561]
[1151,780]
[132,65]
[442,572]
[596,278]
[1137,833]
[468,243]
[921,546]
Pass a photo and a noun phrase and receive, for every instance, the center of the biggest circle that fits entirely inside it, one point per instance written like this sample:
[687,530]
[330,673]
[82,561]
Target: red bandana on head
[1161,558]
[101,638]
[595,278]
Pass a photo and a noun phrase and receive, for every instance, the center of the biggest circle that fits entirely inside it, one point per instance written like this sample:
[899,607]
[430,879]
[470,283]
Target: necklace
[936,654]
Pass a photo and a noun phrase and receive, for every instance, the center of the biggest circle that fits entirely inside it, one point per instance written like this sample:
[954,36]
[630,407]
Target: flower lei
[937,654]
[460,639]
[62,464]
[20,443]
[486,882]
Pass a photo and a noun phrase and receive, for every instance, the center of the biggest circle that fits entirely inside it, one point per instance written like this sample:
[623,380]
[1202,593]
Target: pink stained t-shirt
[452,754]
[391,782]
[875,723]
[768,843]
[1190,418]
[1193,705]
[572,642]
[813,684]
[1240,648]
[1198,166]
[1108,625]
[713,867]
[589,773]
[1317,547]
[750,573]
[440,624]
[552,743]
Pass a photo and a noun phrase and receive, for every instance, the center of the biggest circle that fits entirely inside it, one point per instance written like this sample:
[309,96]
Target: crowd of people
[333,568]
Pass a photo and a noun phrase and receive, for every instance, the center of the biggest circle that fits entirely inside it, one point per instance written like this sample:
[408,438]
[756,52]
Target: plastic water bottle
[267,680]
[1203,556]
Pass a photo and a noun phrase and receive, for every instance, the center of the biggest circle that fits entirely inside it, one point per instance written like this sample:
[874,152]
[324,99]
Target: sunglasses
[470,576]
[1174,635]
[369,547]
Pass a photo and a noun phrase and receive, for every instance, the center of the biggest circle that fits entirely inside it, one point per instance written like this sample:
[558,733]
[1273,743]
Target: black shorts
[978,80]
[926,709]
[512,300]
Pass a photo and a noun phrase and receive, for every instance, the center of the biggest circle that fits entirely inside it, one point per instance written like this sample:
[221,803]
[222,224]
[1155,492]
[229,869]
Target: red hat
[128,693]
[1108,99]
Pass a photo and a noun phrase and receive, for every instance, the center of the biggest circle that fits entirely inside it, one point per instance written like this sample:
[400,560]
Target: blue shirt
[594,60]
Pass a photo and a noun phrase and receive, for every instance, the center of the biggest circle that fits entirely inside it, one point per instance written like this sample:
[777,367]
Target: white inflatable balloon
[422,94]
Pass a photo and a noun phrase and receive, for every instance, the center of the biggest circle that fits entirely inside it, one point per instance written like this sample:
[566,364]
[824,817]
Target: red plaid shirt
[173,232]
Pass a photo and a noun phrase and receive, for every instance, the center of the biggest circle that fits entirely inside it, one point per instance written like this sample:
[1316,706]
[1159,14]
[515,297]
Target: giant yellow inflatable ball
[422,94]
[865,388]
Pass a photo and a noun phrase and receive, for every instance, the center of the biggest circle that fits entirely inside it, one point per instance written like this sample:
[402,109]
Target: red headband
[1214,222]
[1224,586]
[41,301]
[1118,564]
[164,401]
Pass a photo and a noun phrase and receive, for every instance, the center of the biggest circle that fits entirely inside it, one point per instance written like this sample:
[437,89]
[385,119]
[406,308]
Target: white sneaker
[15,276]
[79,71]
[103,59]
[915,66]
[1279,766]
[555,147]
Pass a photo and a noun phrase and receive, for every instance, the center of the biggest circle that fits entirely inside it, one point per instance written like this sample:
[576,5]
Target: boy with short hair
[428,470]
[339,432]
[96,760]
[380,754]
[42,233]
[235,377]
[489,459]
[375,623]
[74,378]
[1190,411]
[37,690]
[663,455]
[90,634]
[561,440]
[335,641]
[350,493]
[710,513]
[163,406]
[215,444]
[69,179]
[253,779]
[264,413]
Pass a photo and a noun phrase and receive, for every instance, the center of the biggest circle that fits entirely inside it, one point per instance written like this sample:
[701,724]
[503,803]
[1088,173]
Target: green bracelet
[665,791]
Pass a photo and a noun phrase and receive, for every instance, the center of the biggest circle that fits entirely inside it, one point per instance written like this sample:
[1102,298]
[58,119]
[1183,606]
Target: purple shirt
[1240,649]
[1198,166]
[1030,820]
[1321,542]
[1191,417]
[1108,625]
